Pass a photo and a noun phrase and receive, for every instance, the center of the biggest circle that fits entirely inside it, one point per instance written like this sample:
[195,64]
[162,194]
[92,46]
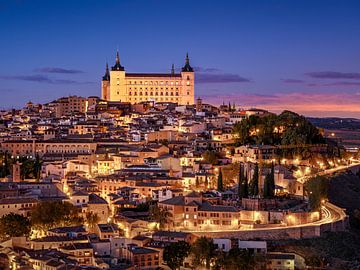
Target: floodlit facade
[118,85]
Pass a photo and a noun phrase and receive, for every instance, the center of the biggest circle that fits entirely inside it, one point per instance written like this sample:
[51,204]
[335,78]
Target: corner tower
[117,82]
[188,79]
[105,84]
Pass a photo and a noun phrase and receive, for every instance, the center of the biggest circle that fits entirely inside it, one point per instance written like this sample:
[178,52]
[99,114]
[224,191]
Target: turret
[105,84]
[106,77]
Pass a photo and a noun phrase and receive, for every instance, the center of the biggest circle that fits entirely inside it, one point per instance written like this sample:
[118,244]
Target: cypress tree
[220,181]
[271,183]
[242,185]
[246,187]
[240,182]
[254,185]
[267,180]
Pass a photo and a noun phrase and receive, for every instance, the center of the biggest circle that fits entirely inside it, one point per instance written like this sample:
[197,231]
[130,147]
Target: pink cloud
[310,104]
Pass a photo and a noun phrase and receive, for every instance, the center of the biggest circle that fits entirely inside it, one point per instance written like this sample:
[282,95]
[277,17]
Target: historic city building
[118,85]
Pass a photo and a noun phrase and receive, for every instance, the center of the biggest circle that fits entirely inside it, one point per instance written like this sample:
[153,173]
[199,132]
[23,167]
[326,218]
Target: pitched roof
[206,206]
[178,200]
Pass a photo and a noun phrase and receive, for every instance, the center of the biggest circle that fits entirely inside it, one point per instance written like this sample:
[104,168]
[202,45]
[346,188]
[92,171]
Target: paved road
[329,171]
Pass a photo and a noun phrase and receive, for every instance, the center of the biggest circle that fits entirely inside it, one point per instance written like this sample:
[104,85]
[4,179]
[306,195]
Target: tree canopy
[160,215]
[14,225]
[287,128]
[203,251]
[317,190]
[175,254]
[47,215]
[237,259]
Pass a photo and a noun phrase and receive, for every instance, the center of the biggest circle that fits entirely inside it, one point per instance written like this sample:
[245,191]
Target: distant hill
[336,123]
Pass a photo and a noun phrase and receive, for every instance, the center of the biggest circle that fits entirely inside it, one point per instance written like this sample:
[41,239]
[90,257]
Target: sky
[273,54]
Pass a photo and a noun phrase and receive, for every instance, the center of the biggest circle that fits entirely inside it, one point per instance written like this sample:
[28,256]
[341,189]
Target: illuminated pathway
[329,171]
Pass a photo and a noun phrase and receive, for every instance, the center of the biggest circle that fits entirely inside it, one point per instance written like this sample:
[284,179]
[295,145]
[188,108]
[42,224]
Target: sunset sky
[297,55]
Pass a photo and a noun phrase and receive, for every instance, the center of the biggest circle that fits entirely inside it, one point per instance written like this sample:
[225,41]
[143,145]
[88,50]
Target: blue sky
[299,55]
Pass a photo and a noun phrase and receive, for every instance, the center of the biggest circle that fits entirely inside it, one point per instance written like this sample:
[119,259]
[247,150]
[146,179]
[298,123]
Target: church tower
[188,79]
[117,82]
[105,84]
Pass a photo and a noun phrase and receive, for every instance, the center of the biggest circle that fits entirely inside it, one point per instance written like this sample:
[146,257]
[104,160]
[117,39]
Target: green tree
[14,225]
[286,128]
[267,180]
[254,184]
[37,167]
[92,219]
[160,215]
[203,251]
[317,190]
[271,183]
[175,254]
[242,184]
[238,259]
[48,215]
[211,157]
[220,186]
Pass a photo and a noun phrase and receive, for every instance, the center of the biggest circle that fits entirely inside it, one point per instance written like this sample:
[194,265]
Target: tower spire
[172,70]
[106,77]
[117,58]
[187,67]
[117,65]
